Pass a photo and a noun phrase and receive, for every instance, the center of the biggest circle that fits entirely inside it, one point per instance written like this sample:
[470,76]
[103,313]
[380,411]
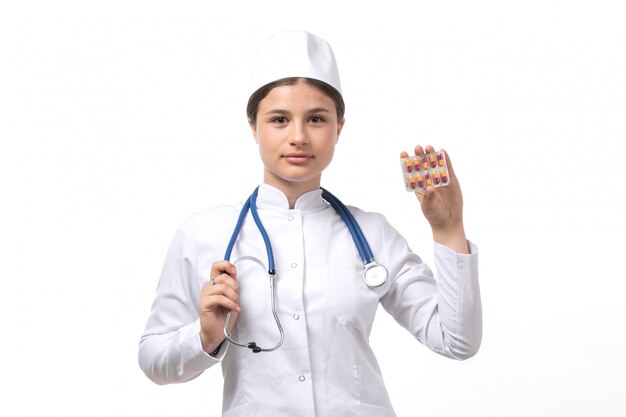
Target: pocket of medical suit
[354,304]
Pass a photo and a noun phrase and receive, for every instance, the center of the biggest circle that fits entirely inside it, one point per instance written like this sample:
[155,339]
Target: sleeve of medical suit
[170,350]
[445,312]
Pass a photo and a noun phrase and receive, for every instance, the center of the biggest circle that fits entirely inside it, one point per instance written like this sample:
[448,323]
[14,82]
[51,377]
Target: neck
[292,190]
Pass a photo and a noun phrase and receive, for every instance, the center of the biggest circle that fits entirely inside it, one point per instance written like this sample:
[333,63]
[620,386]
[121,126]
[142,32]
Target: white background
[120,118]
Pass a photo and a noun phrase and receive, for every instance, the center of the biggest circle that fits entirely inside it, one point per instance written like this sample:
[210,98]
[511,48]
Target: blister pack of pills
[424,170]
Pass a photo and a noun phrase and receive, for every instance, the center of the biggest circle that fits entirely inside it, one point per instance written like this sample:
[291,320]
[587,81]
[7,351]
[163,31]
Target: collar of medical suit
[272,198]
[293,54]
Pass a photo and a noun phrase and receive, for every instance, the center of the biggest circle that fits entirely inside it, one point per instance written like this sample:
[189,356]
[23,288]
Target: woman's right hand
[219,295]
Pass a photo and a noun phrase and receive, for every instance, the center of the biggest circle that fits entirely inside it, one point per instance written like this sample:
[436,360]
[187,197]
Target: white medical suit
[325,367]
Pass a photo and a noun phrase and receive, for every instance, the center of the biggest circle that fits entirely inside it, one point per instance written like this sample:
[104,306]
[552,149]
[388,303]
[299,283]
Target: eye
[316,119]
[279,120]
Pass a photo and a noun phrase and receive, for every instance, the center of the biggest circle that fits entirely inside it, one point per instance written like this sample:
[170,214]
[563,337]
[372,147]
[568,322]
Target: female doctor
[311,354]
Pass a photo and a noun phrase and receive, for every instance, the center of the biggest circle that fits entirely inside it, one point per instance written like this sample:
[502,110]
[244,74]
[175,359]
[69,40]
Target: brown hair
[258,95]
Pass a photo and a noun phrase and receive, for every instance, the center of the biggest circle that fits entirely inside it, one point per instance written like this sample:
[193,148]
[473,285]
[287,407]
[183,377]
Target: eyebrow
[319,110]
[287,112]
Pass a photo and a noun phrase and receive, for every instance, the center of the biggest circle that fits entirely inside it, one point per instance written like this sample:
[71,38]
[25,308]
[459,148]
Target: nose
[299,134]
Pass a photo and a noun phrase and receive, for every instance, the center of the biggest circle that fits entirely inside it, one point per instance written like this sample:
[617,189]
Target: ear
[253,129]
[340,127]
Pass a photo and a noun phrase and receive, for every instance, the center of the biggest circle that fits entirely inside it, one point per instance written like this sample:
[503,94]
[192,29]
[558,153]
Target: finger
[419,150]
[222,267]
[210,290]
[221,301]
[233,321]
[429,149]
[228,280]
[403,154]
[428,200]
[448,162]
[420,194]
[429,192]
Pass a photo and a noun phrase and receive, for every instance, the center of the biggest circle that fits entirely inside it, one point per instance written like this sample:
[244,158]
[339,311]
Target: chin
[296,179]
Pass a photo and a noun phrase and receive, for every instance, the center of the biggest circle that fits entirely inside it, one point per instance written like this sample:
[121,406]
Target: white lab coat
[325,366]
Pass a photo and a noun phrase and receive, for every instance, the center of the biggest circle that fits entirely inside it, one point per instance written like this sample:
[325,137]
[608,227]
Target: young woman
[311,354]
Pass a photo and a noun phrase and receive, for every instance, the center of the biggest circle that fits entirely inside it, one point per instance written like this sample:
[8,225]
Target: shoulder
[209,222]
[211,215]
[368,218]
[375,226]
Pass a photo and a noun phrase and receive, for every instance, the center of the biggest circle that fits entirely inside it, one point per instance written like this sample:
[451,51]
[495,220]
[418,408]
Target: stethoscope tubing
[266,238]
[361,243]
[250,205]
[233,238]
[252,345]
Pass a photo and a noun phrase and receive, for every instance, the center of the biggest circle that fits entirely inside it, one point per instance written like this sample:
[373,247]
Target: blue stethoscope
[374,274]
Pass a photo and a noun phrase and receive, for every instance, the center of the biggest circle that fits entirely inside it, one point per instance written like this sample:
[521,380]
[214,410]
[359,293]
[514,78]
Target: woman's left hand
[443,207]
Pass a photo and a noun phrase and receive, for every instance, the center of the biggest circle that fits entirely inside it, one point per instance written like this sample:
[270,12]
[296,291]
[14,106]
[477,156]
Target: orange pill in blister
[444,176]
[440,159]
[424,163]
[436,177]
[433,163]
[409,167]
[412,182]
[416,162]
[429,180]
[420,180]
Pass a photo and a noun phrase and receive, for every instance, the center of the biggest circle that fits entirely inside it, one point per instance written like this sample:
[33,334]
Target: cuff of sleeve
[442,249]
[460,305]
[191,349]
[452,265]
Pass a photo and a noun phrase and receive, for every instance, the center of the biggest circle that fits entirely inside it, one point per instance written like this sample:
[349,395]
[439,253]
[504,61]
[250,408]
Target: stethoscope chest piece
[374,275]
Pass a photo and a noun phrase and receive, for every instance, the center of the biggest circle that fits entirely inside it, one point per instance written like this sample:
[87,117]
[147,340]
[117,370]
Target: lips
[298,158]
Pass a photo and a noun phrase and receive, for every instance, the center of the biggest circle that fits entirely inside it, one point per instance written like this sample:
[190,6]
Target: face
[297,130]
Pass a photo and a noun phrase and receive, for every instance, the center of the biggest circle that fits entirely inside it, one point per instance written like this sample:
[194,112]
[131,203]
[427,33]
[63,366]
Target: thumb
[424,195]
[448,163]
[427,200]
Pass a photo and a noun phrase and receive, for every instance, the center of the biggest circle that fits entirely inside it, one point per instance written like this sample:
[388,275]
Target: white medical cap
[293,54]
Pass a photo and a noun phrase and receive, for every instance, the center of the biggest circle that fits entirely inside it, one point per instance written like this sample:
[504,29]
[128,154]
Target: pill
[425,170]
[411,182]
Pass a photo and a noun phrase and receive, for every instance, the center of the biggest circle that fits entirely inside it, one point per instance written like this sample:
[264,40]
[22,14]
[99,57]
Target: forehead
[296,96]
